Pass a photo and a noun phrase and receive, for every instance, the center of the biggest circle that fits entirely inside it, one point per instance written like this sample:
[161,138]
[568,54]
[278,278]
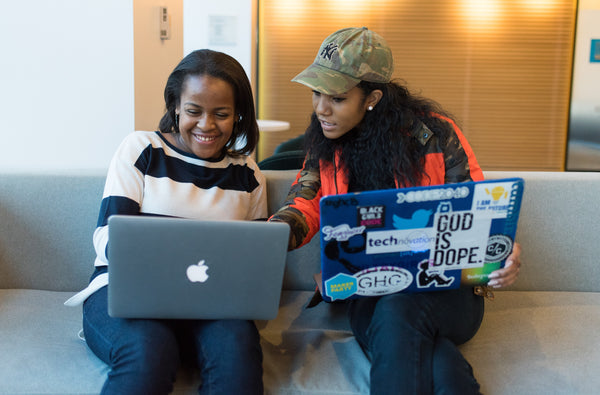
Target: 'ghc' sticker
[382,280]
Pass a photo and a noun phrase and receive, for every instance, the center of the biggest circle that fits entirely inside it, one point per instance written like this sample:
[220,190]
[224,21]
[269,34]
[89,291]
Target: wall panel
[502,68]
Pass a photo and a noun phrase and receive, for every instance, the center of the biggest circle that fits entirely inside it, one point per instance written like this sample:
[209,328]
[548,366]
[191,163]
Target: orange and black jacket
[454,162]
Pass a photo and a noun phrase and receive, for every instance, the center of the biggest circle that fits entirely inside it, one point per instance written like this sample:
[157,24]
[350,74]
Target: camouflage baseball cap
[347,57]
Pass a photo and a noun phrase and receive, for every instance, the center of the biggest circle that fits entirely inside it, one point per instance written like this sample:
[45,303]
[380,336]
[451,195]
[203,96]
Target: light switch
[164,26]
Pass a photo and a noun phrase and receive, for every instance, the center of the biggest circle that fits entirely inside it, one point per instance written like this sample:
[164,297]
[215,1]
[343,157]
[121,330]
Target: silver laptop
[175,268]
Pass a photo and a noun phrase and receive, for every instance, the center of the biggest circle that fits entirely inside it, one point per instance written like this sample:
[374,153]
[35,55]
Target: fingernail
[492,283]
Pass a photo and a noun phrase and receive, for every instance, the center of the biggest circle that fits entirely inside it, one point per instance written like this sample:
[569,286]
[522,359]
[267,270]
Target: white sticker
[499,248]
[492,199]
[460,240]
[382,280]
[400,240]
[341,232]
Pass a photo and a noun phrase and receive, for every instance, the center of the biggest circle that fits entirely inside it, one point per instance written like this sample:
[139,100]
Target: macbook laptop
[416,239]
[188,269]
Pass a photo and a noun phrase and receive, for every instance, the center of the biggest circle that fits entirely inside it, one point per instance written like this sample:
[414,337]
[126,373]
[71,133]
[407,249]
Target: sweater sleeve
[123,192]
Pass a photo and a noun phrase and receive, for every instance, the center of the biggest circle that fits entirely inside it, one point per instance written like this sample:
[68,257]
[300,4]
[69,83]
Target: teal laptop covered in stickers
[417,239]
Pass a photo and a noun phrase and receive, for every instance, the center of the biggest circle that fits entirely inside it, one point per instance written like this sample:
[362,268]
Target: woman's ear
[374,98]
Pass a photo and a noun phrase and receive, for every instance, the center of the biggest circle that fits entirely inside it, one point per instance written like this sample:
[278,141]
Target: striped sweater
[150,176]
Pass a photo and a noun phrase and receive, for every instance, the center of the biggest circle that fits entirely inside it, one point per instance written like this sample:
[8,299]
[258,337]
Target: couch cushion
[558,229]
[529,343]
[538,343]
[311,351]
[42,353]
[48,222]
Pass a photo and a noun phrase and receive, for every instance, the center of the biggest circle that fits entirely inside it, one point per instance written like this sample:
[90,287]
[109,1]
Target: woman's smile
[202,139]
[206,116]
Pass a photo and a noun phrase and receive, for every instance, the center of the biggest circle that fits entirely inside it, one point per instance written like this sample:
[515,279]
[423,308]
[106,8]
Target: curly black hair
[382,149]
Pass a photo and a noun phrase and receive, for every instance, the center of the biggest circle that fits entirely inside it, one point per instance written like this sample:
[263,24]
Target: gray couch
[539,337]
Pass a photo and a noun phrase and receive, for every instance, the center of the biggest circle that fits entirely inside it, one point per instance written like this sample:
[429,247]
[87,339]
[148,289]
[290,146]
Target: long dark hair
[226,68]
[382,148]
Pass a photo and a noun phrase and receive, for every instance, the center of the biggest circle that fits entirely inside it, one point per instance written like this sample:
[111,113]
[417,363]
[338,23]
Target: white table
[268,139]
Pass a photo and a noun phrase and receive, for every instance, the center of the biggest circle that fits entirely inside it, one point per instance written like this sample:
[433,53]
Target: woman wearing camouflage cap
[368,132]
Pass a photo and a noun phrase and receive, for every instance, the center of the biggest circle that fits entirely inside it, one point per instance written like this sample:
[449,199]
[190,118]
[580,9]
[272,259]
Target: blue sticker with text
[340,286]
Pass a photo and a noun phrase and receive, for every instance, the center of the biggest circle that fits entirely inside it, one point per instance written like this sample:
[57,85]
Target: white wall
[66,77]
[223,25]
[67,90]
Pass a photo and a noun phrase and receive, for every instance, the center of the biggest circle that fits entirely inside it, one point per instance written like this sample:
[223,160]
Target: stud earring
[370,108]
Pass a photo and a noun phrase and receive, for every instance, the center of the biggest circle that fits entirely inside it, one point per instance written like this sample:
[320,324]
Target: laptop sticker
[371,216]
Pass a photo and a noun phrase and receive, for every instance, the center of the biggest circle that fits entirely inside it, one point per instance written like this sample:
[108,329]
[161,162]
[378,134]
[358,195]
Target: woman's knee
[143,360]
[401,313]
[150,345]
[234,340]
[230,357]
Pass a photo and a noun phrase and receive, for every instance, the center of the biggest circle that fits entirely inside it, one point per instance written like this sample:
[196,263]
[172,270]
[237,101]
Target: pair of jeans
[144,355]
[411,340]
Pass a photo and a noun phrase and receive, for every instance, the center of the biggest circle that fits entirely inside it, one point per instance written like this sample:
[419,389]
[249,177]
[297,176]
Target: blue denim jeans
[144,355]
[411,340]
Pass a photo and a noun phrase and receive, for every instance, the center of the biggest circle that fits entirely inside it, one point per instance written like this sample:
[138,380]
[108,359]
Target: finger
[503,282]
[503,277]
[511,267]
[515,256]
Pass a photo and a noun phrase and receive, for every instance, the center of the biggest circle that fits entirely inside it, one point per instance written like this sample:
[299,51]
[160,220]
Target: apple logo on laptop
[197,273]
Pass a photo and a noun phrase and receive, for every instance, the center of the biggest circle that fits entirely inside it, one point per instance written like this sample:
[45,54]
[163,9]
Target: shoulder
[444,118]
[140,140]
[146,137]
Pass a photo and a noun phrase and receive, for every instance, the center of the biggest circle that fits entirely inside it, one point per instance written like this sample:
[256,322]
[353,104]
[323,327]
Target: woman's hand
[507,275]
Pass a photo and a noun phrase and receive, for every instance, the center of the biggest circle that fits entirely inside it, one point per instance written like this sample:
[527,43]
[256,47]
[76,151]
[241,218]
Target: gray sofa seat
[538,337]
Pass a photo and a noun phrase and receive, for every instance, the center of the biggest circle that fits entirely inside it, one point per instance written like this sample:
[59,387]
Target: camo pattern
[307,186]
[347,57]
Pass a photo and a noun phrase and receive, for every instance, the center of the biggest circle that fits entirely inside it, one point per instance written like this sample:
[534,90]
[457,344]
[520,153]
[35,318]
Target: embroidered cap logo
[328,50]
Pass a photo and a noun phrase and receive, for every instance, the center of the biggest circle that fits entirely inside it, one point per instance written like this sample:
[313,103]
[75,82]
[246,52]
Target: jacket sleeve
[301,207]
